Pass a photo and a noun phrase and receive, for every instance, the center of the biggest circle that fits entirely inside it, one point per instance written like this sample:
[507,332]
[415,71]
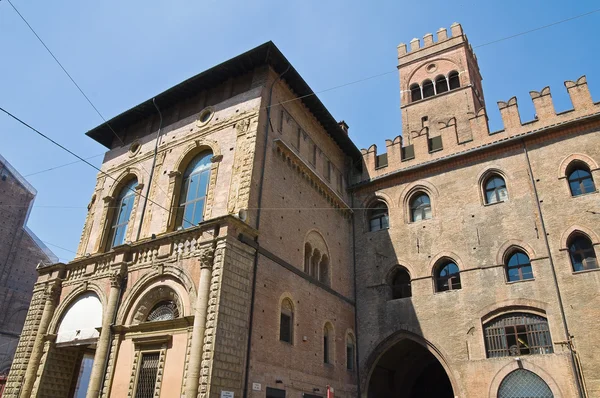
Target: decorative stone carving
[206,257]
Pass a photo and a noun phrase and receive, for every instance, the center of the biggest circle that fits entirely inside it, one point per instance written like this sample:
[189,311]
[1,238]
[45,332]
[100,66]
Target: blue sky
[124,52]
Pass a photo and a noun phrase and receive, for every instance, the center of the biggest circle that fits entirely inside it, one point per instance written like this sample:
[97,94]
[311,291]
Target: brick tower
[440,84]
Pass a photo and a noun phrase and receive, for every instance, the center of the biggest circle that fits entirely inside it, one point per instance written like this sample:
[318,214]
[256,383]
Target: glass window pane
[502,193]
[192,188]
[575,188]
[375,224]
[188,214]
[385,222]
[203,187]
[198,212]
[527,272]
[119,236]
[427,212]
[588,185]
[490,197]
[513,274]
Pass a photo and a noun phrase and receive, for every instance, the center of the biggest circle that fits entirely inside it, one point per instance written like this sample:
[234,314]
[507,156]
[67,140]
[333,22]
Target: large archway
[409,370]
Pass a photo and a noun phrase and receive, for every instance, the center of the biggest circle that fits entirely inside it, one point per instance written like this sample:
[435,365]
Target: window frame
[519,267]
[581,251]
[127,192]
[383,215]
[186,181]
[495,190]
[453,280]
[289,313]
[422,208]
[415,88]
[578,166]
[534,327]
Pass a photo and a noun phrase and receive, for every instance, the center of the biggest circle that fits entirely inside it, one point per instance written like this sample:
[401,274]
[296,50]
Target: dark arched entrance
[409,370]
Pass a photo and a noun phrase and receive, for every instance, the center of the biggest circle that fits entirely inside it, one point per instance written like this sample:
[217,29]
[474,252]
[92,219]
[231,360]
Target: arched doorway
[522,383]
[409,370]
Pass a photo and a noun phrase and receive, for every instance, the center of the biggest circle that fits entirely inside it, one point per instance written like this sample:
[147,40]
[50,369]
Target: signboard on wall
[226,394]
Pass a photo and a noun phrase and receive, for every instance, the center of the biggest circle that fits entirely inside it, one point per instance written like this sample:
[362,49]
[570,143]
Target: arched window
[401,284]
[286,321]
[415,92]
[328,340]
[307,257]
[580,180]
[447,277]
[163,311]
[582,253]
[420,207]
[518,267]
[428,90]
[517,334]
[453,80]
[522,383]
[350,355]
[378,217]
[194,188]
[495,190]
[316,258]
[122,214]
[441,84]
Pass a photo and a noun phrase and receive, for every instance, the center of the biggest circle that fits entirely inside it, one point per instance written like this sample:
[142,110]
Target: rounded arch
[153,293]
[317,241]
[416,186]
[375,197]
[194,149]
[80,319]
[443,62]
[491,311]
[574,159]
[511,246]
[90,287]
[442,257]
[527,365]
[396,337]
[329,353]
[124,178]
[174,278]
[578,229]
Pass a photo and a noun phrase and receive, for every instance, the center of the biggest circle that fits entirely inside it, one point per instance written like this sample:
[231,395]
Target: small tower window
[453,80]
[441,85]
[415,92]
[286,322]
[428,90]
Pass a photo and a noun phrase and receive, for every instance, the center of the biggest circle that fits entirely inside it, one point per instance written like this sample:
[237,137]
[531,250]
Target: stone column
[193,376]
[103,343]
[52,293]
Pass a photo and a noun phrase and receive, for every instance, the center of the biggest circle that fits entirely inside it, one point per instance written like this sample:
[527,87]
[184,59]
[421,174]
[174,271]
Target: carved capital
[206,257]
[115,279]
[53,291]
[107,199]
[174,174]
[216,158]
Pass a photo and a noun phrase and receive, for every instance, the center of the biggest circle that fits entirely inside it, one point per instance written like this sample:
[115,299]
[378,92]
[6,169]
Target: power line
[60,247]
[75,83]
[82,159]
[478,46]
[60,166]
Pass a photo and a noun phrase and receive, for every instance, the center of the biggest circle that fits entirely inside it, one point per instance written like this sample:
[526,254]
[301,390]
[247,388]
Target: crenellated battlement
[456,36]
[450,137]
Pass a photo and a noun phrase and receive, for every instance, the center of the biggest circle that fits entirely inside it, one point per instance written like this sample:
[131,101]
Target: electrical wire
[477,46]
[60,247]
[60,166]
[82,159]
[76,85]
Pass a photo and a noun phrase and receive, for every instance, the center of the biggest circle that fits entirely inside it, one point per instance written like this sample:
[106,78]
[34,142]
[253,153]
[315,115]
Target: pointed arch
[511,366]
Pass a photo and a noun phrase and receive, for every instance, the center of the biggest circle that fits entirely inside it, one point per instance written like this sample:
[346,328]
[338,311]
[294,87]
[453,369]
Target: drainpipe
[356,360]
[580,390]
[151,169]
[258,211]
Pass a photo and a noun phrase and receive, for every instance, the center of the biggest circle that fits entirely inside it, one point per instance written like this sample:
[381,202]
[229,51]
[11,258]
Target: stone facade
[21,252]
[288,285]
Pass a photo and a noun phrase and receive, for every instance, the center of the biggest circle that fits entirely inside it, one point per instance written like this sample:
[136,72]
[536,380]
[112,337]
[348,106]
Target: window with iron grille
[517,334]
[146,381]
[522,383]
[163,311]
